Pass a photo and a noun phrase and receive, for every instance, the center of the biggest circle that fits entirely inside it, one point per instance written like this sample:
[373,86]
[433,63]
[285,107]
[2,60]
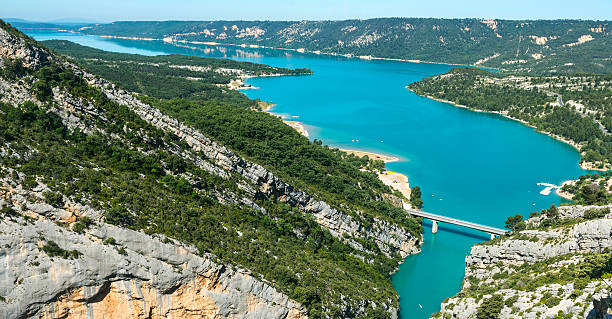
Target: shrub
[490,308]
[54,199]
[510,301]
[8,211]
[515,223]
[119,216]
[415,197]
[53,250]
[13,68]
[595,213]
[122,251]
[82,224]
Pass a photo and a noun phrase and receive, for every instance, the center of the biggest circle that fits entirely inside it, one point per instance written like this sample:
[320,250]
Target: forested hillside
[236,185]
[171,76]
[576,108]
[527,46]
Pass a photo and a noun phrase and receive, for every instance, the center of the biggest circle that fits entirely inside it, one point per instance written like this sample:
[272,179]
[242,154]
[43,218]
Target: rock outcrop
[118,273]
[497,267]
[32,56]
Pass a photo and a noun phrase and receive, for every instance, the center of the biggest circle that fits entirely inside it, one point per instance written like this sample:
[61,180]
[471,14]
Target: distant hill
[12,20]
[541,46]
[58,24]
[73,21]
[575,108]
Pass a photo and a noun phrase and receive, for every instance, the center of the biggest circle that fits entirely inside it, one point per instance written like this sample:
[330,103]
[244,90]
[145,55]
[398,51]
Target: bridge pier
[434,227]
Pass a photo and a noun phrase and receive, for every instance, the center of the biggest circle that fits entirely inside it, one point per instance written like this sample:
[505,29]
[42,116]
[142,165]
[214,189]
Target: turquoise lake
[473,166]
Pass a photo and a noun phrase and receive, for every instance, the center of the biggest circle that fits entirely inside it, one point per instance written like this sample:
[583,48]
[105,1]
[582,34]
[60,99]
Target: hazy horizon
[68,11]
[84,21]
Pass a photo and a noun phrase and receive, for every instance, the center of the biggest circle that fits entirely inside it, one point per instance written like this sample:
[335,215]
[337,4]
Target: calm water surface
[470,165]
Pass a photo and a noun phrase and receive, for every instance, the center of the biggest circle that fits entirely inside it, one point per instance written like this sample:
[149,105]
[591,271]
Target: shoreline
[266,106]
[563,194]
[396,181]
[298,126]
[576,146]
[371,155]
[171,40]
[570,196]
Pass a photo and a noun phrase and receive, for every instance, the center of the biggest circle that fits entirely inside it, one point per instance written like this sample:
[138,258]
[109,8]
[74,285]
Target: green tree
[515,223]
[13,68]
[415,197]
[490,308]
[54,199]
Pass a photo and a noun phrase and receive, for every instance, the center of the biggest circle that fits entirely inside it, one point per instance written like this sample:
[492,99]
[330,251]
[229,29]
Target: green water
[474,166]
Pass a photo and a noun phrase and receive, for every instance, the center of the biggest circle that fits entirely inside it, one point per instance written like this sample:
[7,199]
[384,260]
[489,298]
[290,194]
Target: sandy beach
[564,194]
[372,156]
[396,181]
[298,126]
[266,106]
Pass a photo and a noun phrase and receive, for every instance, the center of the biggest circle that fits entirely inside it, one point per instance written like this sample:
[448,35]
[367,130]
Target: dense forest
[140,177]
[538,46]
[575,107]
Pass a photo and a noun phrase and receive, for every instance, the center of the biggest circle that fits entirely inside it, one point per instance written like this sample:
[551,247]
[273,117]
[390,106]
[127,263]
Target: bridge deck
[454,221]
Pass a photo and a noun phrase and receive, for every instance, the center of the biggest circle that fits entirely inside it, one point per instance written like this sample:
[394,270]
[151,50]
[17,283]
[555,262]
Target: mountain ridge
[527,46]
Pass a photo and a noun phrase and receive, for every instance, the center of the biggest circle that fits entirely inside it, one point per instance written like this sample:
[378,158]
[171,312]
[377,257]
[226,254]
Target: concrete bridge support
[434,227]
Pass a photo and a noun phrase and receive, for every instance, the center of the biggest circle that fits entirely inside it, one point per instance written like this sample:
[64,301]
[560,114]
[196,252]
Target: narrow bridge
[439,218]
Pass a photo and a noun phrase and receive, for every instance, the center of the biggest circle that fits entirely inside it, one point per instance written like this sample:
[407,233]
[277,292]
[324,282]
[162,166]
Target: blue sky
[114,10]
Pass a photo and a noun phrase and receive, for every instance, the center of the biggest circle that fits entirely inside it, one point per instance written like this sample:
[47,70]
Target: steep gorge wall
[132,275]
[490,264]
[218,160]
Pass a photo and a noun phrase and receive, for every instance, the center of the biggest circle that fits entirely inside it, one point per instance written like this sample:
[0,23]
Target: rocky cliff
[540,272]
[118,273]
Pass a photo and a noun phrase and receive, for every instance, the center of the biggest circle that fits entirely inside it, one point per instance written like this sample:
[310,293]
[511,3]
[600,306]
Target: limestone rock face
[17,48]
[592,235]
[489,263]
[132,275]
